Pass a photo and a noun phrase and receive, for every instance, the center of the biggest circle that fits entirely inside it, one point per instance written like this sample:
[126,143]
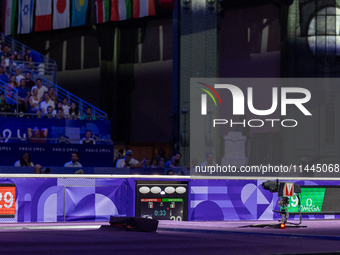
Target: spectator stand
[59,131]
[47,69]
[93,170]
[55,154]
[62,93]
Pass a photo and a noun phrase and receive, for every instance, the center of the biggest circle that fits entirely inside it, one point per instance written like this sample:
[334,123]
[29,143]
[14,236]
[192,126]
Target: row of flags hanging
[62,13]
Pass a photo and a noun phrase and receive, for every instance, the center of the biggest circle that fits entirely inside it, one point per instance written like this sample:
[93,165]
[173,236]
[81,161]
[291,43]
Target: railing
[62,93]
[40,115]
[45,70]
[48,68]
[118,155]
[62,139]
[94,172]
[10,93]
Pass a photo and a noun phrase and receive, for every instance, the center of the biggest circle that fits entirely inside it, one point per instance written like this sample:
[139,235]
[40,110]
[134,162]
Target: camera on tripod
[285,190]
[45,170]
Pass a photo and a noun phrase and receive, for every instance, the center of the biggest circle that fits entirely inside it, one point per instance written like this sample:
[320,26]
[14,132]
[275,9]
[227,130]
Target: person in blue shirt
[23,95]
[88,115]
[74,161]
[34,56]
[3,76]
[174,162]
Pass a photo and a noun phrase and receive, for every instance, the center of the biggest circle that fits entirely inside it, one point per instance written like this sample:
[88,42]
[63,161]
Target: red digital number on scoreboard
[7,200]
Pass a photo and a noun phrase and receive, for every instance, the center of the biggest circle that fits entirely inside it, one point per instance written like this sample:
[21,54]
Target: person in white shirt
[18,75]
[47,102]
[209,159]
[88,138]
[41,89]
[53,95]
[59,106]
[128,161]
[25,160]
[65,106]
[74,161]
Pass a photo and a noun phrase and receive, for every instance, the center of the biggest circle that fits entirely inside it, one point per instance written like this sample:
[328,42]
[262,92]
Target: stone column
[234,147]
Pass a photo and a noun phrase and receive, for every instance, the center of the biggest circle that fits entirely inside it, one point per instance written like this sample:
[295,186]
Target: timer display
[7,200]
[162,208]
[162,200]
[160,213]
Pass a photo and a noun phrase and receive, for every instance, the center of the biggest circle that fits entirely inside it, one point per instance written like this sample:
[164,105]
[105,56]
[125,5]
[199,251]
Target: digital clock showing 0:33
[160,213]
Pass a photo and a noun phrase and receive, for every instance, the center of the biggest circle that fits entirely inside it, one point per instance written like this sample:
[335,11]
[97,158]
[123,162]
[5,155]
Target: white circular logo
[310,202]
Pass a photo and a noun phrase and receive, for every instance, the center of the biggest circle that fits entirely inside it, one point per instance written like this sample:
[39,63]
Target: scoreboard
[316,200]
[162,201]
[7,200]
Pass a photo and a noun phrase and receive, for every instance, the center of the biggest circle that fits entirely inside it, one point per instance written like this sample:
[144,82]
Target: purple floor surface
[170,238]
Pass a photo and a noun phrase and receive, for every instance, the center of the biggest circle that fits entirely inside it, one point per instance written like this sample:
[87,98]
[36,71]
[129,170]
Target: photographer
[39,170]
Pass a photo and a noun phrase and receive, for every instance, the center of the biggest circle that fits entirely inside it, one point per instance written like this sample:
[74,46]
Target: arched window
[324,35]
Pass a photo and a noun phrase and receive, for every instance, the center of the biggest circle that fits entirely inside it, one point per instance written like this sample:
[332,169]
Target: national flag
[142,8]
[102,11]
[120,10]
[79,9]
[172,205]
[167,4]
[43,15]
[9,16]
[150,205]
[25,22]
[61,14]
[93,12]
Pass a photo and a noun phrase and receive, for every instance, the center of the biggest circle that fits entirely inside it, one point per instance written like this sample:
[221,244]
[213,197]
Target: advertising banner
[16,128]
[100,155]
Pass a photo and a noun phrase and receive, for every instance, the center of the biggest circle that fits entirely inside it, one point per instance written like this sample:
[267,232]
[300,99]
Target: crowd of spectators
[30,60]
[37,135]
[25,160]
[126,162]
[33,97]
[37,99]
[157,162]
[8,56]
